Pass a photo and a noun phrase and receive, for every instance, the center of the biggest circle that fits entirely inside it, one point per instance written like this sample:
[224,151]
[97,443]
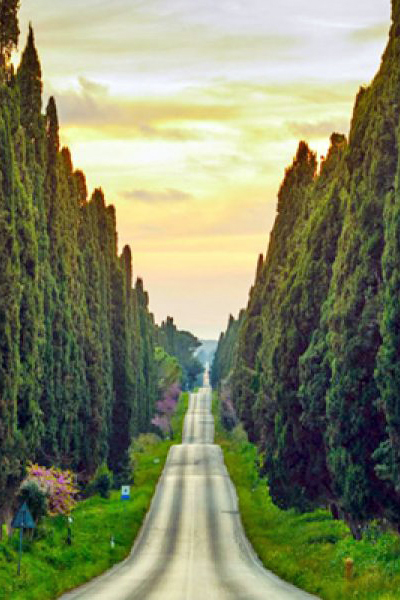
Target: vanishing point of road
[192,545]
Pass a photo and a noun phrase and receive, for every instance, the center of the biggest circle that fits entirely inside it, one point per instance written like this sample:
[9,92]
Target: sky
[187,112]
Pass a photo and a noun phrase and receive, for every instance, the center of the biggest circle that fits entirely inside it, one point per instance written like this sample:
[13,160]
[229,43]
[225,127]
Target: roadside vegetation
[50,566]
[310,549]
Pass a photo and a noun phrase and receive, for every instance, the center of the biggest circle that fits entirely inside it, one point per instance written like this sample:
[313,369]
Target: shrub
[36,497]
[125,475]
[166,407]
[58,485]
[101,483]
[144,442]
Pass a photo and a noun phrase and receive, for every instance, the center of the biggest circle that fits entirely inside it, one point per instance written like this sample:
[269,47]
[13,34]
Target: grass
[51,567]
[308,549]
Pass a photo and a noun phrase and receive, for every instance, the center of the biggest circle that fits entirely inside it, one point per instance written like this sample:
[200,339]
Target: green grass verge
[308,549]
[51,567]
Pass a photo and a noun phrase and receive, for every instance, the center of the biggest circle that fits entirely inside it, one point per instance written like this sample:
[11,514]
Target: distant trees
[182,345]
[226,350]
[315,369]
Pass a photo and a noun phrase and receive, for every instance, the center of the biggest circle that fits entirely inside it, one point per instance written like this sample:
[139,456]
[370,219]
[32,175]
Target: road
[192,545]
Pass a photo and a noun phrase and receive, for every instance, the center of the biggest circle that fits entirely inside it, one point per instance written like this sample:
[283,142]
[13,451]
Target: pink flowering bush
[59,487]
[166,407]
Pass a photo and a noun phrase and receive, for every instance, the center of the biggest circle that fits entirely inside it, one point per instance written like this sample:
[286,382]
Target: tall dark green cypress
[29,81]
[12,451]
[124,389]
[148,380]
[96,346]
[9,31]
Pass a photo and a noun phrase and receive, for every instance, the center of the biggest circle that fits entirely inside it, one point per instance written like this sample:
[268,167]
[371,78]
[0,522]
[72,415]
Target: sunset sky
[186,113]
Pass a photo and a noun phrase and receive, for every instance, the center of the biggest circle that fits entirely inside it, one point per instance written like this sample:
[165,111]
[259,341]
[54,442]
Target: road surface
[192,545]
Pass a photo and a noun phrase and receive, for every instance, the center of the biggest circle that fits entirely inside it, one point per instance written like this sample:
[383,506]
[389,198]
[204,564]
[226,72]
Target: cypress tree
[9,30]
[147,377]
[226,350]
[29,80]
[124,399]
[11,442]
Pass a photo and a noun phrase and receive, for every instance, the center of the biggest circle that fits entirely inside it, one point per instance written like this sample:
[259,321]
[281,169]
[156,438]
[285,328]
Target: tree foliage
[9,30]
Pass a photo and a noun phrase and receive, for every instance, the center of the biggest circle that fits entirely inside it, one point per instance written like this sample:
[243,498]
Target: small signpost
[69,531]
[22,520]
[125,492]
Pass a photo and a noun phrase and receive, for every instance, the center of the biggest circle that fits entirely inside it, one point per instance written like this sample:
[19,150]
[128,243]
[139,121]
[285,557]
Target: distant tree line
[314,366]
[182,345]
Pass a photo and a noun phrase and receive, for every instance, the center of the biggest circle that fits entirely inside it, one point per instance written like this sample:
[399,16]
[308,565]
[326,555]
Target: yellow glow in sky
[187,113]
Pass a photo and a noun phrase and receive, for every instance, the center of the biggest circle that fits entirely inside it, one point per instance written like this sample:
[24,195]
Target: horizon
[187,118]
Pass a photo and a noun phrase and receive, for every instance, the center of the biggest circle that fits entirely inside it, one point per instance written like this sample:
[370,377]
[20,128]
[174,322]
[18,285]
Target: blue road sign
[23,519]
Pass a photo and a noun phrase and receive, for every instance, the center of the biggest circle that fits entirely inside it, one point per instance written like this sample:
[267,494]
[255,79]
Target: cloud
[166,118]
[172,134]
[167,196]
[86,109]
[92,87]
[280,93]
[373,33]
[317,129]
[189,31]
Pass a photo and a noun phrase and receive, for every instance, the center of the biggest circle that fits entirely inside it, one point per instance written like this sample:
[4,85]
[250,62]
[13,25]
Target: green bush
[36,499]
[101,483]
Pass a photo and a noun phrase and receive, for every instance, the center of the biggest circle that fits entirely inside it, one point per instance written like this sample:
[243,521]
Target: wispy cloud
[372,33]
[92,87]
[169,118]
[167,196]
[310,130]
[92,105]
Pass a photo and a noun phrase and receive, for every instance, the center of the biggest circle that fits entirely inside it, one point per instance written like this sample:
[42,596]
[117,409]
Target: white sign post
[125,492]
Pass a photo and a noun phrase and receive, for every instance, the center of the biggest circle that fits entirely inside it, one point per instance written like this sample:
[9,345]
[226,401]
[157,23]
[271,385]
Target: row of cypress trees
[315,375]
[77,367]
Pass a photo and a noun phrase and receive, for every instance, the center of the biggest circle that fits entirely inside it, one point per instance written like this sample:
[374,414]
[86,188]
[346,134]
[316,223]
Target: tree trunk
[334,511]
[355,527]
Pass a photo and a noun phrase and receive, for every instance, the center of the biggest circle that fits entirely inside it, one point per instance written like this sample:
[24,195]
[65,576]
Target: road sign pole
[22,520]
[20,550]
[125,494]
[69,530]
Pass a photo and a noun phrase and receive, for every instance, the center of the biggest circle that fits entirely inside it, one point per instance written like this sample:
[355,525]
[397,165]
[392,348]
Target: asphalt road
[192,545]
